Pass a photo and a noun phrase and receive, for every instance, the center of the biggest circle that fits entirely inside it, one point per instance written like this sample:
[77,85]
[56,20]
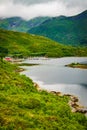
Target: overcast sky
[28,9]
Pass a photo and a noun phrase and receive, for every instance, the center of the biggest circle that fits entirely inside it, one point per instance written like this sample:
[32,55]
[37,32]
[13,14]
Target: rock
[67,95]
[74,99]
[81,110]
[57,93]
[37,86]
[53,92]
[74,105]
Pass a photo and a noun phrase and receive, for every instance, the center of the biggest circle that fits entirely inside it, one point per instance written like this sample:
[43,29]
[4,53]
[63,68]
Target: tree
[3,52]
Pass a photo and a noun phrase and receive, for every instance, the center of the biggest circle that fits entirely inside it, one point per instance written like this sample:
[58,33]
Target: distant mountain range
[66,30]
[19,24]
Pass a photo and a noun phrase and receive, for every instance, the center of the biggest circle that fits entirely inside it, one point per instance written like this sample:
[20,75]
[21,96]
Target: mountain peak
[81,15]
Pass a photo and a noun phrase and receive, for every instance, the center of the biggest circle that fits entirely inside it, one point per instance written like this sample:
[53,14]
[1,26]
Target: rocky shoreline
[73,102]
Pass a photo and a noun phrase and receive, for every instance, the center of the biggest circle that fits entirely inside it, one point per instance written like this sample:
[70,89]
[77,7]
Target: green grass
[24,45]
[26,64]
[22,107]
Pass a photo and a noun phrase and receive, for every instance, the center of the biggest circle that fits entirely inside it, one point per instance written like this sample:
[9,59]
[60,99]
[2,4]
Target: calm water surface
[52,75]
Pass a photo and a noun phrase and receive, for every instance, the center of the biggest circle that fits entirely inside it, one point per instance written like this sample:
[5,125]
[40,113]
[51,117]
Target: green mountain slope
[22,107]
[22,44]
[19,24]
[66,30]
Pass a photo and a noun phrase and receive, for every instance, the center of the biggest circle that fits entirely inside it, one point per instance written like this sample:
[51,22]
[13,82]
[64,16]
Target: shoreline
[77,65]
[73,102]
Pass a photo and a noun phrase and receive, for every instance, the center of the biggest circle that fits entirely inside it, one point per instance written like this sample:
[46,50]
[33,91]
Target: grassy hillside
[19,24]
[66,30]
[22,44]
[22,107]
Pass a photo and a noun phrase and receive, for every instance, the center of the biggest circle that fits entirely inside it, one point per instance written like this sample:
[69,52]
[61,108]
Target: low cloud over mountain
[28,9]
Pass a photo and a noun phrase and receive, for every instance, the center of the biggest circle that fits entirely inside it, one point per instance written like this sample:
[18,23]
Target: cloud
[28,9]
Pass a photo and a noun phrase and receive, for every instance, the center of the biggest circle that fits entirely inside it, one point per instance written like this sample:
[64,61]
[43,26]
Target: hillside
[31,45]
[24,45]
[19,24]
[66,30]
[22,107]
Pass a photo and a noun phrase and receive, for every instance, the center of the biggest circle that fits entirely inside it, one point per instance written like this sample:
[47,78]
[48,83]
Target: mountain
[25,45]
[66,30]
[19,24]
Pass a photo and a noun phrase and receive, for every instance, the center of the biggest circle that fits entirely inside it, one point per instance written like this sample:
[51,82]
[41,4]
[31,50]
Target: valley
[43,71]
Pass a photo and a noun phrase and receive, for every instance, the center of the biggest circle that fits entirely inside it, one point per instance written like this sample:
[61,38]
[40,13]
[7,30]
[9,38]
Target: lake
[52,75]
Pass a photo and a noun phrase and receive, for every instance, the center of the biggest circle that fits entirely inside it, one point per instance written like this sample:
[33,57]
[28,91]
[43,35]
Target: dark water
[52,74]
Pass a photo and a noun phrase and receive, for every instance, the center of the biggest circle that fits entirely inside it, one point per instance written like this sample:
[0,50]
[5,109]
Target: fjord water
[52,75]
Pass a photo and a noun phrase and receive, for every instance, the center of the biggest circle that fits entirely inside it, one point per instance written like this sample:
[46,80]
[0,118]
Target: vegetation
[19,24]
[22,107]
[26,64]
[77,65]
[66,30]
[24,45]
[3,52]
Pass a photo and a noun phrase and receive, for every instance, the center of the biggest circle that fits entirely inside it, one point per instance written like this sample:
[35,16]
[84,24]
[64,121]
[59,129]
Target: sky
[28,9]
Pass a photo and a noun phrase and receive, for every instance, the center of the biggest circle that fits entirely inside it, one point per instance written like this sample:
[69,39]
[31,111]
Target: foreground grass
[22,107]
